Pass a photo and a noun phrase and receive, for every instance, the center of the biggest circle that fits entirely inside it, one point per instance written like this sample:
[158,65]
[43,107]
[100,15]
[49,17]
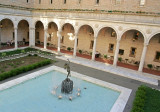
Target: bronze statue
[67,66]
[67,84]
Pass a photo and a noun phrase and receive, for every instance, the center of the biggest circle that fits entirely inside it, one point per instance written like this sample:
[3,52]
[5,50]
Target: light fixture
[71,37]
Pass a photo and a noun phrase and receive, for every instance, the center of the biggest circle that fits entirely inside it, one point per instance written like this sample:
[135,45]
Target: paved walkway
[144,77]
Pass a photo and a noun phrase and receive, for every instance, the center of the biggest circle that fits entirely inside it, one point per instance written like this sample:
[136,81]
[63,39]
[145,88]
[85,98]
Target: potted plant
[150,66]
[105,56]
[69,49]
[80,51]
[120,59]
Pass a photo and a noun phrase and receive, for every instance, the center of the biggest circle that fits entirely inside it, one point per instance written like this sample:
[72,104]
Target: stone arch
[24,20]
[105,26]
[137,29]
[84,25]
[35,22]
[23,33]
[10,20]
[67,23]
[51,21]
[152,35]
[39,34]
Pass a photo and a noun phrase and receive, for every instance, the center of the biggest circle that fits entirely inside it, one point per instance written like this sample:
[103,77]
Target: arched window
[51,1]
[27,1]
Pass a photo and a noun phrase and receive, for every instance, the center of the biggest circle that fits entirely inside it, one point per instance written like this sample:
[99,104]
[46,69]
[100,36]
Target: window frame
[157,60]
[109,49]
[132,55]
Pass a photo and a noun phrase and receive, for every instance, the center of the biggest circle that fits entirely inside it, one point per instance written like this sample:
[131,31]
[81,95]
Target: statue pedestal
[67,86]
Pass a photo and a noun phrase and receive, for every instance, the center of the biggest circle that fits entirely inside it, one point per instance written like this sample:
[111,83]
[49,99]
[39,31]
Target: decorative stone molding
[148,31]
[76,24]
[120,28]
[96,25]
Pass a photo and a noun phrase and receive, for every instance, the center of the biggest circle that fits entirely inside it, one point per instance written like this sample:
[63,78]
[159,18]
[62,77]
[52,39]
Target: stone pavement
[143,77]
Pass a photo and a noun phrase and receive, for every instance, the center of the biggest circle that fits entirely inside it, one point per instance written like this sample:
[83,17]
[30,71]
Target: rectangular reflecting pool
[35,95]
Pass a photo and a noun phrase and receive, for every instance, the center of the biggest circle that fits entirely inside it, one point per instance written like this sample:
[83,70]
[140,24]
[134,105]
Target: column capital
[118,40]
[32,28]
[146,44]
[95,37]
[15,28]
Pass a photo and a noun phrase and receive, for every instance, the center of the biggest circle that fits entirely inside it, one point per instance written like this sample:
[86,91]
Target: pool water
[35,96]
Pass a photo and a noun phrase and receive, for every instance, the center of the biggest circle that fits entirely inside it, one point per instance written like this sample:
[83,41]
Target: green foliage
[23,69]
[22,51]
[138,104]
[29,55]
[119,59]
[35,55]
[105,56]
[146,100]
[150,66]
[80,51]
[69,49]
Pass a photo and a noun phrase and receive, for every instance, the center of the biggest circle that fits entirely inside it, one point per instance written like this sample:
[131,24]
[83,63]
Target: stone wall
[124,5]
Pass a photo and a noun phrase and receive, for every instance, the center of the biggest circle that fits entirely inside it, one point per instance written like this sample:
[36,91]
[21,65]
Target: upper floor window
[157,57]
[118,2]
[111,47]
[51,1]
[142,2]
[27,1]
[132,52]
[79,1]
[39,1]
[65,1]
[97,1]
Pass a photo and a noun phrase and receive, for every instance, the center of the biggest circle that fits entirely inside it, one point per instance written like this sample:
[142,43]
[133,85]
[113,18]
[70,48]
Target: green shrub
[69,49]
[139,101]
[119,59]
[29,55]
[105,56]
[80,51]
[23,69]
[150,66]
[35,55]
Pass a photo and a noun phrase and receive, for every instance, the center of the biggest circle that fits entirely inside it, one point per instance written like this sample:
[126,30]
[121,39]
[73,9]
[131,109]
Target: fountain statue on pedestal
[67,84]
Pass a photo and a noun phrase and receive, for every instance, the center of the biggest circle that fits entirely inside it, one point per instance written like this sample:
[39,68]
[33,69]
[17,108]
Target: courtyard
[85,66]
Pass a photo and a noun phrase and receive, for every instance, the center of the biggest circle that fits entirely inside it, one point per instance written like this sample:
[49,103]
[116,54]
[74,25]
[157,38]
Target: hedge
[146,100]
[18,51]
[23,69]
[139,101]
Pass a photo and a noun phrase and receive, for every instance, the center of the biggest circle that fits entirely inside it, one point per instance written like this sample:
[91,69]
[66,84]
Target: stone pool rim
[118,106]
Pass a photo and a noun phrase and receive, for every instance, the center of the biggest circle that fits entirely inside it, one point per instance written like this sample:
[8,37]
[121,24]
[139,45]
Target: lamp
[71,37]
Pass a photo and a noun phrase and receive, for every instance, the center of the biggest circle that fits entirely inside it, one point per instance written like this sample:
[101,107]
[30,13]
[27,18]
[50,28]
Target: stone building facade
[129,30]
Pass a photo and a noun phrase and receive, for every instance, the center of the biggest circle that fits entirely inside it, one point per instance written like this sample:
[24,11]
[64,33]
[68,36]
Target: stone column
[116,53]
[143,57]
[94,48]
[59,42]
[45,38]
[15,38]
[75,46]
[31,37]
